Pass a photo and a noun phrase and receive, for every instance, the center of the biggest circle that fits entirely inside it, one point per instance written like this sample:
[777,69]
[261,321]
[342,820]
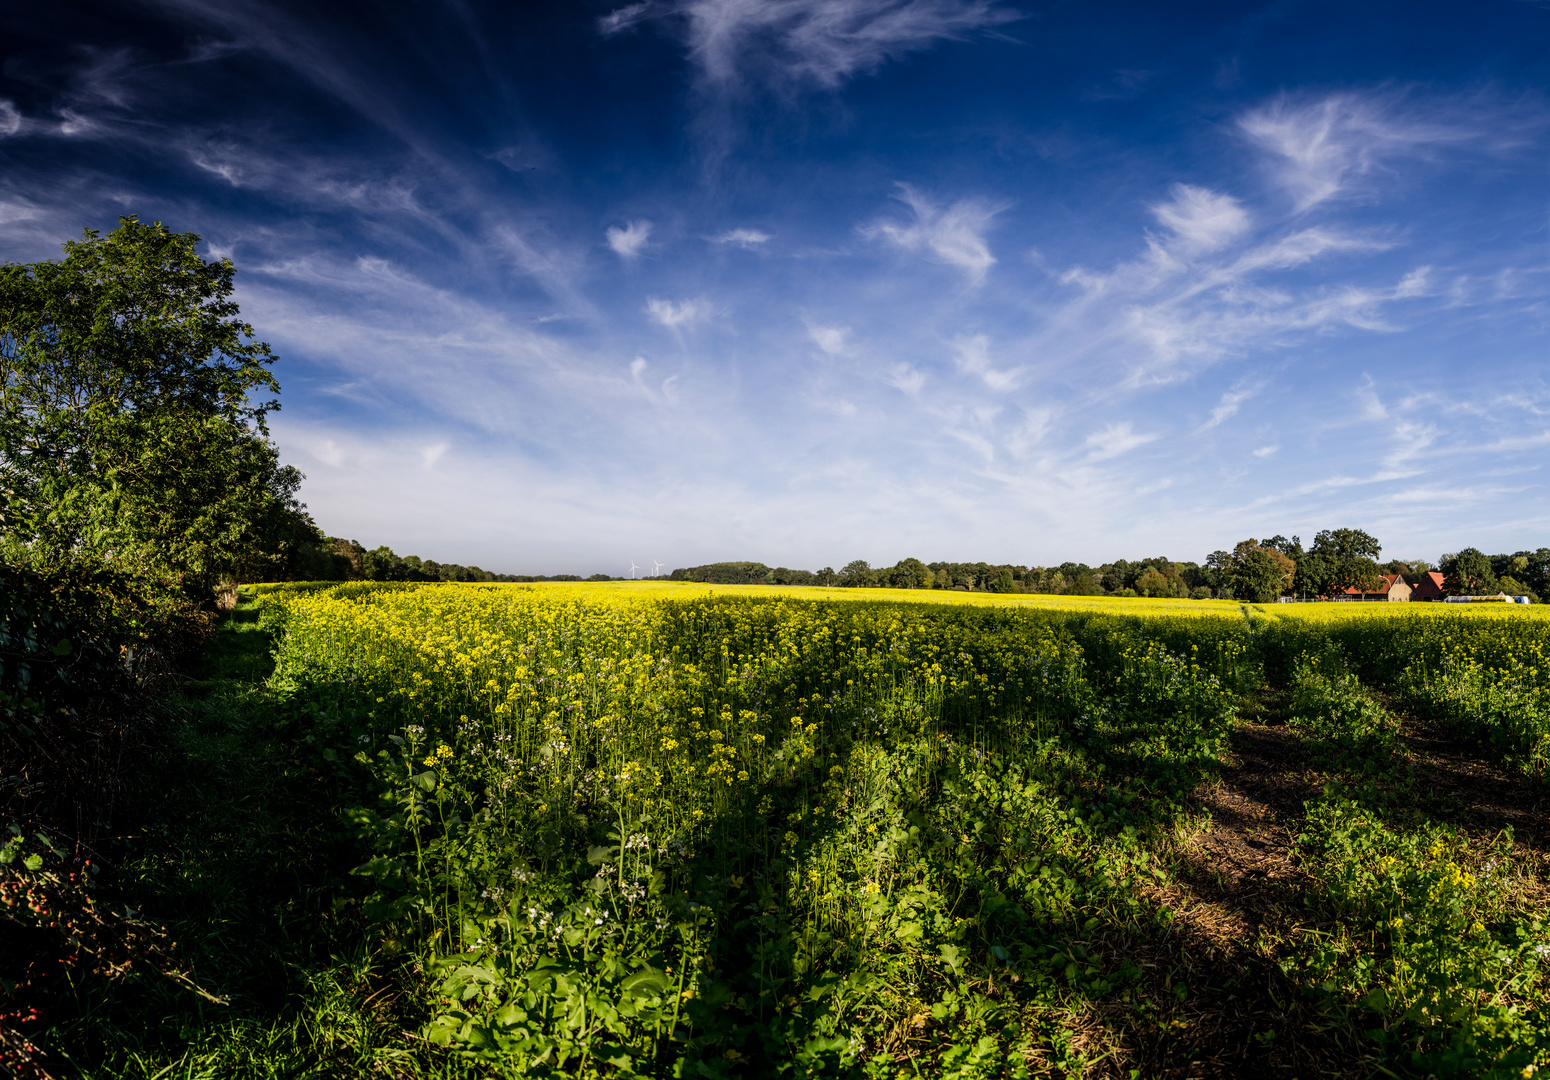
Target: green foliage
[1343,559]
[719,831]
[78,651]
[1506,713]
[914,574]
[1329,701]
[129,438]
[1259,573]
[1469,573]
[1428,948]
[726,573]
[585,831]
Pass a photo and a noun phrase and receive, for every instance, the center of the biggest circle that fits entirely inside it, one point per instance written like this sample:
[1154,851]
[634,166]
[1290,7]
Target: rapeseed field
[687,830]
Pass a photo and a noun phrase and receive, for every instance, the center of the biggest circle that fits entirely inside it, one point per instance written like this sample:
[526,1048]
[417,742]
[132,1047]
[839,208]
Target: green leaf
[647,982]
[63,647]
[381,866]
[386,910]
[33,862]
[425,781]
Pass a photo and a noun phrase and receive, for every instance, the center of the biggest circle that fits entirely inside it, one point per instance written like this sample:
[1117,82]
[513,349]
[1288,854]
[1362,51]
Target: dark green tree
[911,574]
[1348,559]
[856,574]
[1258,573]
[1468,573]
[380,564]
[130,434]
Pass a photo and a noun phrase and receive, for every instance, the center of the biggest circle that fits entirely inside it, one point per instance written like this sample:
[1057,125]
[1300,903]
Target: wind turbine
[656,568]
[633,568]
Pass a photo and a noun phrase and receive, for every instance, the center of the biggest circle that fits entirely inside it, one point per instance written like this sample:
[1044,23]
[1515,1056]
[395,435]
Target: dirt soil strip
[1237,901]
[1217,1004]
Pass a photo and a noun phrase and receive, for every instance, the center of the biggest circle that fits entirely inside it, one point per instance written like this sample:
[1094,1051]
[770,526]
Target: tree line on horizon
[1258,571]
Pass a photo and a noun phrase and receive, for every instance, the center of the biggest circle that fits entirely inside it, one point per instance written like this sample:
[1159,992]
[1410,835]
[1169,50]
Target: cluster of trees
[1258,571]
[1338,559]
[913,574]
[1471,572]
[349,560]
[1345,559]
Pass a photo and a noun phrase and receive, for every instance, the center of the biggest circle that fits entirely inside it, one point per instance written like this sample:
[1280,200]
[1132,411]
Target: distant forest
[1255,570]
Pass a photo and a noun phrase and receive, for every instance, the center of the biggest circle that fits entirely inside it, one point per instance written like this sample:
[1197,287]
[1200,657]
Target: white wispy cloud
[626,17]
[1114,440]
[432,454]
[10,118]
[748,239]
[1201,219]
[1321,145]
[679,314]
[629,241]
[1229,404]
[954,235]
[834,340]
[1214,289]
[972,355]
[818,41]
[907,378]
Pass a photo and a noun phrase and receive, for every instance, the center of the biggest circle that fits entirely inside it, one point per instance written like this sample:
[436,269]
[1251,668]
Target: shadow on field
[1455,785]
[235,849]
[1236,901]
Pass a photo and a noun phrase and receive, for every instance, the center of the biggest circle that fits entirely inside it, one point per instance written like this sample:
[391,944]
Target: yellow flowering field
[659,828]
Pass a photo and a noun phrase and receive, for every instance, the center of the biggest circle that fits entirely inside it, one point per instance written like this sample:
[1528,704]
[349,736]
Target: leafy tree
[1513,587]
[911,574]
[1347,559]
[856,574]
[1523,573]
[1259,574]
[1079,580]
[1152,583]
[380,564]
[1216,575]
[130,437]
[1002,582]
[1469,574]
[1535,573]
[725,573]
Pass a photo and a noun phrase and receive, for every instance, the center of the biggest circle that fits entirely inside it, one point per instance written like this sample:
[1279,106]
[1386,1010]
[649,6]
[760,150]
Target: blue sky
[561,287]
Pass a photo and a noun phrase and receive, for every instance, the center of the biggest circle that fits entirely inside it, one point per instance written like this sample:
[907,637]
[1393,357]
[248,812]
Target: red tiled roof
[1387,587]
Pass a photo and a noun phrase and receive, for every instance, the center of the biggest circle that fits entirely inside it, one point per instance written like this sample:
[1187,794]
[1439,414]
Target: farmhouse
[1428,588]
[1392,589]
